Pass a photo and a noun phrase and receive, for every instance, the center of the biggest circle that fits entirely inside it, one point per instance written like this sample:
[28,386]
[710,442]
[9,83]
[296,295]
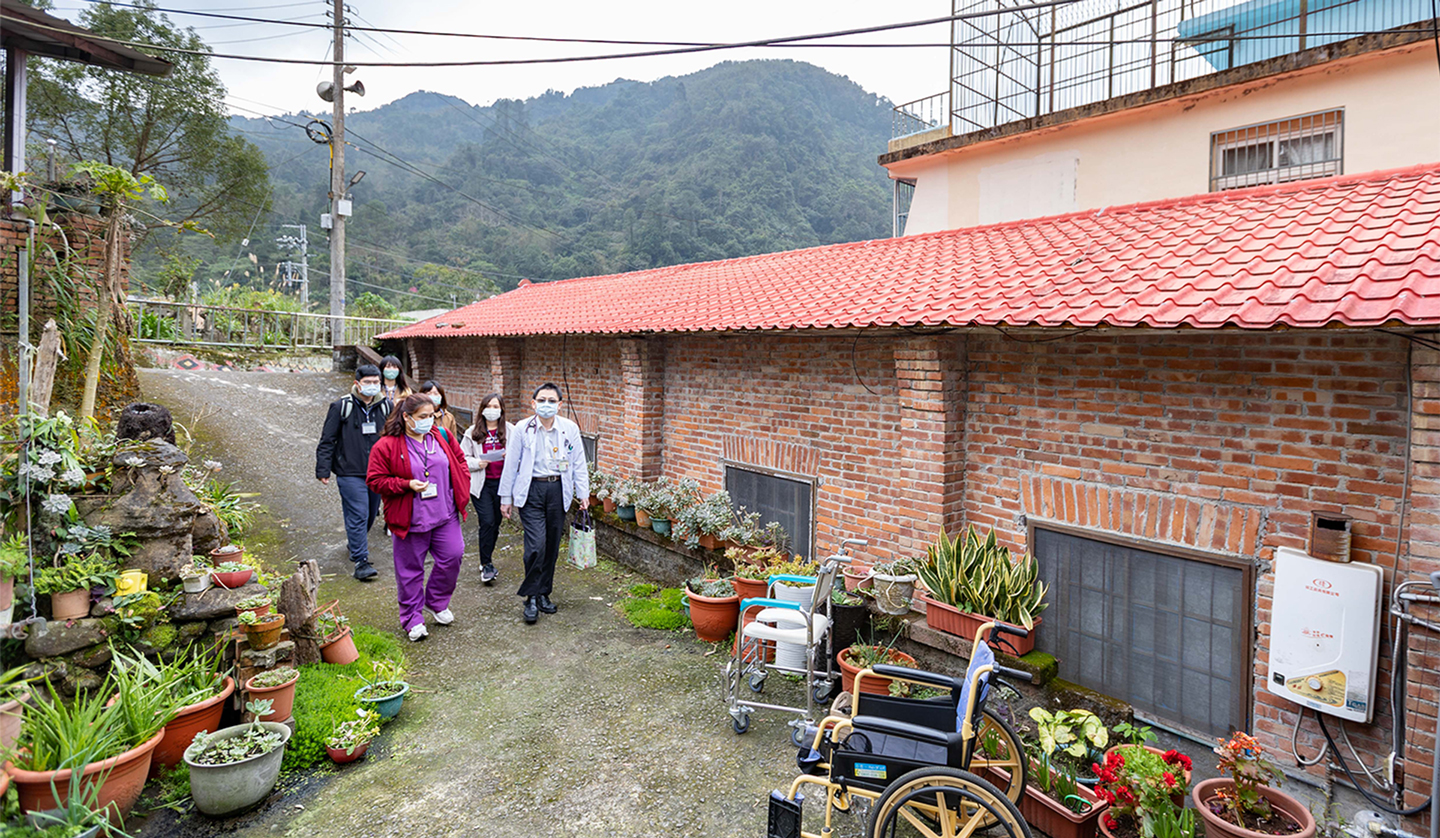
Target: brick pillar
[929,373]
[1422,557]
[506,357]
[421,352]
[639,451]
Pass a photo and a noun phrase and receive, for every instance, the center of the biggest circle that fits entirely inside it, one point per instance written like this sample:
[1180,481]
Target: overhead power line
[571,59]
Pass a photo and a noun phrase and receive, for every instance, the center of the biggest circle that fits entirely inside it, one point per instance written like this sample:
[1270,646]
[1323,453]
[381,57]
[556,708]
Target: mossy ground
[650,606]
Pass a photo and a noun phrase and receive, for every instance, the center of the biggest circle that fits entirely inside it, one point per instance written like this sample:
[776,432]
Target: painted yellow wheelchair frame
[952,823]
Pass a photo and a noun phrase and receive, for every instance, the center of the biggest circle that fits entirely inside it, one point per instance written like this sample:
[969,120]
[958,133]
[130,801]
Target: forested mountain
[741,158]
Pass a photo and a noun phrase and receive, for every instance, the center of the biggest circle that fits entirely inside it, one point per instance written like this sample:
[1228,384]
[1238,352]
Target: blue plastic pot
[626,513]
[661,525]
[388,707]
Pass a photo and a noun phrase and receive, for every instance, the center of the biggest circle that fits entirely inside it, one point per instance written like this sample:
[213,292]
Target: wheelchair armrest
[905,730]
[790,577]
[767,602]
[932,679]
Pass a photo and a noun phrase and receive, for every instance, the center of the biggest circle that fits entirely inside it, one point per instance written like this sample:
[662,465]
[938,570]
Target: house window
[783,499]
[1169,635]
[1304,147]
[592,449]
[904,194]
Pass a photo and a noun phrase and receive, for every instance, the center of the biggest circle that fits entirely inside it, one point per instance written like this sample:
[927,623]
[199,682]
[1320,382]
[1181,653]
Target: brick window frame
[1244,628]
[803,512]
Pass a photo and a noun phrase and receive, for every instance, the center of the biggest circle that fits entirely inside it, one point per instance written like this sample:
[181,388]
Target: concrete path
[580,725]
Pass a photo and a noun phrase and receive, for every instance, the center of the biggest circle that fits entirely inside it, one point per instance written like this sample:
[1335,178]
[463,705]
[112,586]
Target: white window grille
[1298,148]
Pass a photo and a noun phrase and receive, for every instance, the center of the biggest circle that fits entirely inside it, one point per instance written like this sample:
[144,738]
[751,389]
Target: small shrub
[655,608]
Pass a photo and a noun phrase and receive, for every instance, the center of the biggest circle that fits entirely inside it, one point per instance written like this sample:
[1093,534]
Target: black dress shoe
[546,605]
[531,612]
[364,571]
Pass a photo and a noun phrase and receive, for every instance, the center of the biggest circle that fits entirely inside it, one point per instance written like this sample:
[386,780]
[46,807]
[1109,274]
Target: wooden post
[43,382]
[297,603]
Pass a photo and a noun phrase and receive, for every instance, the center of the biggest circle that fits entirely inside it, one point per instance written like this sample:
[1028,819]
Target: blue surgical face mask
[546,410]
[423,426]
[436,398]
[369,391]
[391,373]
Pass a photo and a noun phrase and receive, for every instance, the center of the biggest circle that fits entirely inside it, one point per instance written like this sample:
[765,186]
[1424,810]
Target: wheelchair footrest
[784,820]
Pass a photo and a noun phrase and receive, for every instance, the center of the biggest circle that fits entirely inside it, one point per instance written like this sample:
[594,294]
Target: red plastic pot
[203,715]
[232,578]
[339,757]
[341,649]
[124,778]
[873,684]
[283,697]
[952,620]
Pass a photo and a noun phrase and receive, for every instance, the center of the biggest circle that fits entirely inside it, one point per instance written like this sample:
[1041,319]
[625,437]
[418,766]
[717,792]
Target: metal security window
[1303,147]
[904,194]
[592,449]
[776,498]
[1169,635]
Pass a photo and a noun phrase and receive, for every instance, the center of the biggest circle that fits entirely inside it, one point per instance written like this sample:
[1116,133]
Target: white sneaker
[419,632]
[444,618]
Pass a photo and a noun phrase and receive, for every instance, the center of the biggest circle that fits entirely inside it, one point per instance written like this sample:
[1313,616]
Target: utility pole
[338,205]
[303,242]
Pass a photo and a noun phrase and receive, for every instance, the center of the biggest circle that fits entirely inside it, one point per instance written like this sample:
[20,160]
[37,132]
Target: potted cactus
[973,580]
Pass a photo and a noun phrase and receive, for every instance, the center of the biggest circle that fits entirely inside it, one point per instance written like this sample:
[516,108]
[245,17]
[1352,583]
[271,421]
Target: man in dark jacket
[351,428]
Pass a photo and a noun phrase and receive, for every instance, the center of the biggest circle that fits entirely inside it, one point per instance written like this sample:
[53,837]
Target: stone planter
[71,605]
[893,593]
[203,715]
[225,789]
[1218,827]
[124,777]
[282,698]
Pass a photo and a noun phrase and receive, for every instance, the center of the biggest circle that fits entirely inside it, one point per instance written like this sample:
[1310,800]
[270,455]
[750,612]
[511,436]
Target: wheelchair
[940,768]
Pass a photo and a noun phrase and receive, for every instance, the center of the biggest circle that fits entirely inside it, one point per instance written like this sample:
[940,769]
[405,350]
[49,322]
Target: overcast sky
[902,74]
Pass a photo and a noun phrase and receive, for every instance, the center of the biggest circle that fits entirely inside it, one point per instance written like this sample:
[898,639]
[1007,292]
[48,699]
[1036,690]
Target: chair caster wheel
[741,724]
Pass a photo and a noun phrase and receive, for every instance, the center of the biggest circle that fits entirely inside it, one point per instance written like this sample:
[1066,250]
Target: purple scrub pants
[447,545]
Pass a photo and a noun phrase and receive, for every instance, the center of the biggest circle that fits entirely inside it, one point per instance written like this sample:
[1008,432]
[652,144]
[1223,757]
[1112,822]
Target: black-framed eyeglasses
[547,401]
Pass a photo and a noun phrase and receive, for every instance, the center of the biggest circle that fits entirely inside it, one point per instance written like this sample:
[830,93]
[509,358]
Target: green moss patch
[325,695]
[652,607]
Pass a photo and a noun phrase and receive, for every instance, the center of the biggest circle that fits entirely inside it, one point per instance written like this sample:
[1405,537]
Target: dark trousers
[360,506]
[487,513]
[543,517]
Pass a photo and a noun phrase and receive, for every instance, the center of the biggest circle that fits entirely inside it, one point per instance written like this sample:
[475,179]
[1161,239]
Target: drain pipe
[23,291]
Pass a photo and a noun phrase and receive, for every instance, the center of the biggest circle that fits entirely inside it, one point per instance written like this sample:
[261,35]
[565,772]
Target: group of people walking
[388,447]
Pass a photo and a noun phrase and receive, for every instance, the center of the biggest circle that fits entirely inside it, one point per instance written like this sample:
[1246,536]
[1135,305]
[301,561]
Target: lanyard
[425,450]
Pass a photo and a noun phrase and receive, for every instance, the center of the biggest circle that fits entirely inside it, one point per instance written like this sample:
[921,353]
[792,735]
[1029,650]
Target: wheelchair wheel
[940,802]
[998,747]
[757,683]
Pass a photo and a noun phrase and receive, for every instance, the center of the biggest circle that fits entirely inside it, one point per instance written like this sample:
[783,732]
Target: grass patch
[325,695]
[653,607]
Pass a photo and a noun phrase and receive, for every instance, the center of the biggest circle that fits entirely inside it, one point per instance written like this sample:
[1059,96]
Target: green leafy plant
[56,734]
[866,655]
[330,625]
[1132,734]
[326,692]
[1243,759]
[259,600]
[755,562]
[978,575]
[351,734]
[1141,785]
[840,596]
[710,587]
[709,516]
[232,507]
[80,574]
[255,741]
[231,567]
[144,705]
[386,680]
[1058,782]
[1075,732]
[796,566]
[14,557]
[1173,822]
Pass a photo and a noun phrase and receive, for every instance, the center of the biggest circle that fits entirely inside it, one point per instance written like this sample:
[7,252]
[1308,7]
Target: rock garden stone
[64,638]
[154,503]
[212,604]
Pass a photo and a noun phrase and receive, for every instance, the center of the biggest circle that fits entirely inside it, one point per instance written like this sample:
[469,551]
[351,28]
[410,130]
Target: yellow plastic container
[131,582]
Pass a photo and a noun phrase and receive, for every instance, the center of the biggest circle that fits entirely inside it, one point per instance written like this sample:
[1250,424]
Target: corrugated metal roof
[1357,251]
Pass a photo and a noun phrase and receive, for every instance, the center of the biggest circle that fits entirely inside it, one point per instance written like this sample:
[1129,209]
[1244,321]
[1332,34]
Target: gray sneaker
[488,574]
[364,571]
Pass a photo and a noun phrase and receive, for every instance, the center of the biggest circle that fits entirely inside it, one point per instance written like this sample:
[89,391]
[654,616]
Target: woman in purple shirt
[421,476]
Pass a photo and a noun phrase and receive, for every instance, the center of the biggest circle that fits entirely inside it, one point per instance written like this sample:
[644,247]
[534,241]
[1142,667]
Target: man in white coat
[544,473]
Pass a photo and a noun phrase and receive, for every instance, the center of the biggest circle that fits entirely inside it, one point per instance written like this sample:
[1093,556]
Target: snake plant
[978,575]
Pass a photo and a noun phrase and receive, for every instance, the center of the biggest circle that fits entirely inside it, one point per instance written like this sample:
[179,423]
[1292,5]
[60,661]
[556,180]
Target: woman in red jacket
[421,476]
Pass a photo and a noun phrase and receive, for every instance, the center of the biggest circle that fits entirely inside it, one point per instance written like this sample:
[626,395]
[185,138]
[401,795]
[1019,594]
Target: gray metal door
[1171,636]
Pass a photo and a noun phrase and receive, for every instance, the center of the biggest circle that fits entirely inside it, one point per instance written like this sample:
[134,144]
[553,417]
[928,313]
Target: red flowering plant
[1243,759]
[1141,785]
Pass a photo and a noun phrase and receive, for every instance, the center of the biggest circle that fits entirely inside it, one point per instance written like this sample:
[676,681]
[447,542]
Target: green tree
[172,129]
[370,304]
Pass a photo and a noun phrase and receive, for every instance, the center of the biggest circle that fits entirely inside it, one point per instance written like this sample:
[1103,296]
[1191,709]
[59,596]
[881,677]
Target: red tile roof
[1357,251]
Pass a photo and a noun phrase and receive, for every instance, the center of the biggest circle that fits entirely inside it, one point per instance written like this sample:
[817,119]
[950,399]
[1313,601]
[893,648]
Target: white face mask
[369,391]
[436,398]
[491,414]
[423,426]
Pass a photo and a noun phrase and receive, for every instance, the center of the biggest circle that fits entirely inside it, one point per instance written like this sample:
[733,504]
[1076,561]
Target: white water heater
[1325,634]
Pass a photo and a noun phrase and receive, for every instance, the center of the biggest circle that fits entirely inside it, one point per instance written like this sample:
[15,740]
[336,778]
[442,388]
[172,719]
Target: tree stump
[43,382]
[297,603]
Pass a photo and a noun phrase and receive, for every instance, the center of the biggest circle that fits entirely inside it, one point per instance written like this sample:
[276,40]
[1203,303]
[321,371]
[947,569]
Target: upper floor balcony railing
[1008,65]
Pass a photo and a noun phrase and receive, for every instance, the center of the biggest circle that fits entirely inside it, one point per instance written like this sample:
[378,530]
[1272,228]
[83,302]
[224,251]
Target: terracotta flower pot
[261,611]
[952,620]
[283,697]
[1050,816]
[12,715]
[339,757]
[203,715]
[71,605]
[7,592]
[642,518]
[124,778]
[1218,827]
[265,634]
[340,649]
[609,505]
[749,588]
[872,684]
[856,578]
[708,542]
[713,617]
[219,557]
[232,578]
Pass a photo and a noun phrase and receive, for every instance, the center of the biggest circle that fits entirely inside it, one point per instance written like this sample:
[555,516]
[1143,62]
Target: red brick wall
[1217,441]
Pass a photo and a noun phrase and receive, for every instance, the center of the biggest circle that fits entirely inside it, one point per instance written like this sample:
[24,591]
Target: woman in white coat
[484,449]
